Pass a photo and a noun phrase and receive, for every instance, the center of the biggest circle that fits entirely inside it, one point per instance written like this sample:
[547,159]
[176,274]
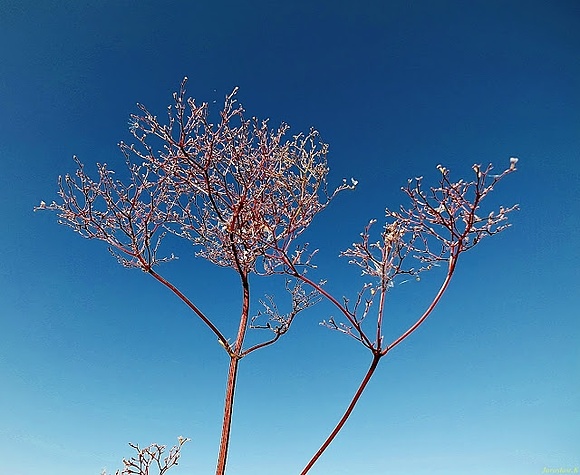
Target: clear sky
[93,356]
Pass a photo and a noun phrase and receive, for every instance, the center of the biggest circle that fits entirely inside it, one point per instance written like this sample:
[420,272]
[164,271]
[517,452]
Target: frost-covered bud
[513,161]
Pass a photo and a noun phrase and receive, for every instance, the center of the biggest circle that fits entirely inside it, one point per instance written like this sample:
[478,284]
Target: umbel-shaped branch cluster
[234,188]
[242,194]
[440,224]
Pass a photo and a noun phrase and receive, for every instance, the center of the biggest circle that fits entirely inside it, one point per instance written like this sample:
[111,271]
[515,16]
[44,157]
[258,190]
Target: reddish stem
[235,356]
[191,305]
[228,412]
[363,338]
[377,355]
[435,301]
[347,413]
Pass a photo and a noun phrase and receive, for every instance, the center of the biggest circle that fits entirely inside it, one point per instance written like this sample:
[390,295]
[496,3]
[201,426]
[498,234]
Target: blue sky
[93,356]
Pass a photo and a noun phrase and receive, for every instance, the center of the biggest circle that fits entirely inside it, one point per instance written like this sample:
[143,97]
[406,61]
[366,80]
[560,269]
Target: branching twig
[151,457]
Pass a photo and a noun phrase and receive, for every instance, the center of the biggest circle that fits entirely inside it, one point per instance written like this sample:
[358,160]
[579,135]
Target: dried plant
[242,193]
[149,458]
[439,225]
[239,191]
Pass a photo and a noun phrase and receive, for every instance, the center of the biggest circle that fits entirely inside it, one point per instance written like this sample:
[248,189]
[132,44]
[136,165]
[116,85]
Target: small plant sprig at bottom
[150,458]
[242,194]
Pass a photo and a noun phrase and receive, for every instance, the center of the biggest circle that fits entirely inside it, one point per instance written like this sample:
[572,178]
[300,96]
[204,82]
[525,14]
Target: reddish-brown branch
[364,339]
[378,354]
[450,271]
[192,306]
[235,356]
[347,413]
[228,412]
[294,272]
[261,345]
[381,311]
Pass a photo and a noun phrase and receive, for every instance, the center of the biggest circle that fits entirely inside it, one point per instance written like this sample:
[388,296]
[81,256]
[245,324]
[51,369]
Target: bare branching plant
[438,226]
[150,459]
[242,193]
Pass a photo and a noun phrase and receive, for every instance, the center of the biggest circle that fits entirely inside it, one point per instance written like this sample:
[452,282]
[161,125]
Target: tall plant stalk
[228,412]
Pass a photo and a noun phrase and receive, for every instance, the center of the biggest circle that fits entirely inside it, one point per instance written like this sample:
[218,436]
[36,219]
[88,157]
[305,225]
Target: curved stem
[294,272]
[346,415]
[192,306]
[261,345]
[442,289]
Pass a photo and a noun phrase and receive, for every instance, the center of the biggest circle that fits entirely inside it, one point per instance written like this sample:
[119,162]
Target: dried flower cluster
[438,226]
[235,189]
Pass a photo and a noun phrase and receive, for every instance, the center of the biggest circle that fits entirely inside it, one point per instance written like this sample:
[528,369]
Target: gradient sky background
[93,356]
